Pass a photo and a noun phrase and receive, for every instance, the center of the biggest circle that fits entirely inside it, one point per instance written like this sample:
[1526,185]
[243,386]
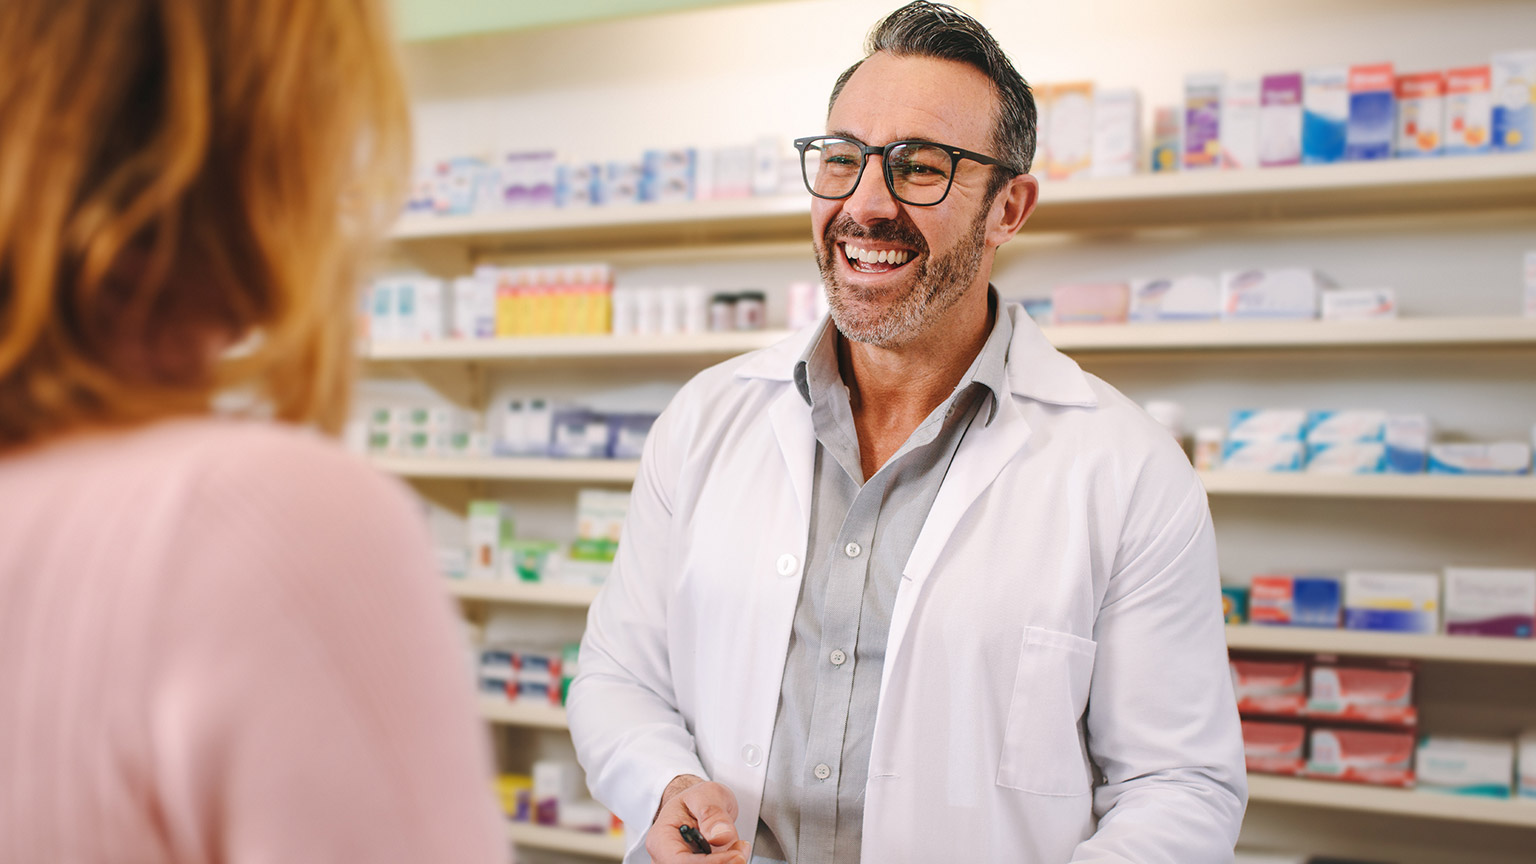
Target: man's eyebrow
[842,133]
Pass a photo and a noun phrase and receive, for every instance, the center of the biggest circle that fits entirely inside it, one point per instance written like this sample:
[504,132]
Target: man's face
[934,255]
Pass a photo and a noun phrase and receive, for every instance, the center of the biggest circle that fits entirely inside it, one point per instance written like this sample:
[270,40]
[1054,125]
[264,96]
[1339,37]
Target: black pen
[694,839]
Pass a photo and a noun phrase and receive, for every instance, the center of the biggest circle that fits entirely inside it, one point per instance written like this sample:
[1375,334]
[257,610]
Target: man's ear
[1011,208]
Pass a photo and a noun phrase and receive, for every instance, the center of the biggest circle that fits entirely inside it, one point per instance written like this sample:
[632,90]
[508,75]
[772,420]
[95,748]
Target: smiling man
[910,585]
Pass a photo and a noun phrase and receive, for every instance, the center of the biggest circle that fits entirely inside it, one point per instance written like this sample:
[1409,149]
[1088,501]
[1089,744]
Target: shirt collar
[817,368]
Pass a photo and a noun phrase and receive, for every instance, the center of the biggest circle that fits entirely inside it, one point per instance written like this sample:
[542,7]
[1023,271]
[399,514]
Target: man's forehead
[891,97]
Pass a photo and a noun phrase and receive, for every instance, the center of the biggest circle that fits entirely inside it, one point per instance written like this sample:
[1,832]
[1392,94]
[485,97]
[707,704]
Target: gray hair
[940,31]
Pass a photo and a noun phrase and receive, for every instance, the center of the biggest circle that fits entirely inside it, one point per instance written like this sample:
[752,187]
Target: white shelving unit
[1449,649]
[504,712]
[602,846]
[1516,812]
[530,470]
[523,593]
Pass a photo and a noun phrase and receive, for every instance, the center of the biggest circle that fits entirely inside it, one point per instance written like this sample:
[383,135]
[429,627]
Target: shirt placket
[848,566]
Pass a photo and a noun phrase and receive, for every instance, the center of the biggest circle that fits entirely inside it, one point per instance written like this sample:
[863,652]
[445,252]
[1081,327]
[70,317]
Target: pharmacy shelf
[1449,649]
[523,593]
[547,470]
[504,712]
[1352,189]
[703,346]
[1398,802]
[1420,333]
[528,836]
[1409,487]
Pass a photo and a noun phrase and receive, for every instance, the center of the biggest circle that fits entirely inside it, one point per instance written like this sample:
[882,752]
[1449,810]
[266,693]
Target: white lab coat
[1055,686]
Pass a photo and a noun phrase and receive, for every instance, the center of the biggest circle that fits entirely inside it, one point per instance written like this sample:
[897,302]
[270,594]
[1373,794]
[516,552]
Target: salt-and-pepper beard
[935,286]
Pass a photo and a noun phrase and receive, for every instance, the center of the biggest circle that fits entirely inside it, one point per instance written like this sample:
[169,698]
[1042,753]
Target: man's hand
[710,807]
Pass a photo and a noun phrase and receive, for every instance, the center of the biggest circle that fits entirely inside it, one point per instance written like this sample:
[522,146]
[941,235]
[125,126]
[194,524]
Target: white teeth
[869,256]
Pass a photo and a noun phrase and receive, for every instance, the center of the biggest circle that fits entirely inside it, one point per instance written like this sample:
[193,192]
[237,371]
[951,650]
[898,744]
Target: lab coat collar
[1036,370]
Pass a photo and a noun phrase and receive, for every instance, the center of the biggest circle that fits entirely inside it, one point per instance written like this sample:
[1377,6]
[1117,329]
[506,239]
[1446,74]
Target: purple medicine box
[1280,120]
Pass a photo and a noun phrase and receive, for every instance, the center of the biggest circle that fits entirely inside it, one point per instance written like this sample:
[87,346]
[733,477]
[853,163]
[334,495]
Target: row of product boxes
[1348,442]
[1477,601]
[552,796]
[1254,294]
[520,428]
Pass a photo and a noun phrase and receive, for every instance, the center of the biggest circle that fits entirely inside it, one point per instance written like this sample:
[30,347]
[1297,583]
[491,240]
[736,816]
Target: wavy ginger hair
[177,176]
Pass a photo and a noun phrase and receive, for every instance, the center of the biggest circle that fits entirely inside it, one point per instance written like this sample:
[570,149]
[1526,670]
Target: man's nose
[871,200]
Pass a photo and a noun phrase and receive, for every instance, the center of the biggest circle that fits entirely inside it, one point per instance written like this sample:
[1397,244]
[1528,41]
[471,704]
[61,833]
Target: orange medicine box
[1378,757]
[1367,694]
[1270,686]
[1420,114]
[1274,748]
[1468,111]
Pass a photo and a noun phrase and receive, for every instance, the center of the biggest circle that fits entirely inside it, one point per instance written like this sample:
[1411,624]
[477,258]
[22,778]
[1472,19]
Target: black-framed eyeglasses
[919,173]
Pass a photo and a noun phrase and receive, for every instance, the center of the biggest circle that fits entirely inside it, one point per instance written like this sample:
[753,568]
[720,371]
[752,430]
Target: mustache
[844,228]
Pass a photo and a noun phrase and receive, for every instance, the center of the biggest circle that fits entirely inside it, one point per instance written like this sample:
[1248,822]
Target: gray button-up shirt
[861,534]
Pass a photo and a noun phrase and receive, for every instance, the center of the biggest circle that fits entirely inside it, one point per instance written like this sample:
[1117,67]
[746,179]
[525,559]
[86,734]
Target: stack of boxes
[1356,442]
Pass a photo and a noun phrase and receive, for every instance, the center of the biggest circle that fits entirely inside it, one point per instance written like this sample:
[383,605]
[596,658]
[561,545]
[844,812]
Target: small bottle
[1208,440]
[722,313]
[751,310]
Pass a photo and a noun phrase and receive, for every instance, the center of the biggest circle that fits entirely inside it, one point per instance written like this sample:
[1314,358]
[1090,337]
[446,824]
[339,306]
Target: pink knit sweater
[223,641]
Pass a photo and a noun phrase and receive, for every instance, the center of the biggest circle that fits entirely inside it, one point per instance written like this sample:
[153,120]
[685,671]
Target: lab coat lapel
[792,427]
[982,455]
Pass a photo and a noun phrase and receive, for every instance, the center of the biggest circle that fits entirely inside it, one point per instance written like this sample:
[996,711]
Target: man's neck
[892,390]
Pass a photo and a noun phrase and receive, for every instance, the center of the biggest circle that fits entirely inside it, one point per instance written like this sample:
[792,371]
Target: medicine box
[1240,123]
[1116,132]
[767,153]
[1468,111]
[1284,293]
[1506,458]
[1372,91]
[554,784]
[1525,765]
[1166,146]
[1346,427]
[1202,121]
[1325,114]
[577,433]
[1184,298]
[1483,601]
[1294,600]
[1407,437]
[667,176]
[1070,153]
[1366,457]
[1359,304]
[1514,92]
[600,519]
[1274,748]
[1466,766]
[578,184]
[1383,758]
[490,531]
[1271,687]
[1234,604]
[1394,602]
[1280,98]
[621,183]
[1091,303]
[1368,694]
[1267,424]
[1420,114]
[1269,456]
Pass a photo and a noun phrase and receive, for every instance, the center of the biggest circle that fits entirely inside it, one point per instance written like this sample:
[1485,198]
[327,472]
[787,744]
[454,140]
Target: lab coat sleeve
[630,737]
[1162,722]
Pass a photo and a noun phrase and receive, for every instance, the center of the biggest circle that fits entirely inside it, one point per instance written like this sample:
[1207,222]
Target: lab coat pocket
[1043,750]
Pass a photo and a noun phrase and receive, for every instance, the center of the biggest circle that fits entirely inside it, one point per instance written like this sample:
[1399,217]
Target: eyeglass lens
[919,173]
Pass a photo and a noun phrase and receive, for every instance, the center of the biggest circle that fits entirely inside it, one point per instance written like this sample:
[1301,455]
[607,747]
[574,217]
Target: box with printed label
[1525,765]
[1271,456]
[1468,111]
[1382,758]
[1116,132]
[1394,602]
[1070,132]
[1371,112]
[1359,304]
[1325,114]
[1282,293]
[1420,114]
[1483,601]
[1505,458]
[1234,604]
[1267,424]
[1273,687]
[1466,766]
[1407,437]
[1280,98]
[1091,303]
[1345,427]
[1202,121]
[1185,298]
[1370,694]
[1274,748]
[1514,92]
[1240,123]
[1367,457]
[490,529]
[1291,600]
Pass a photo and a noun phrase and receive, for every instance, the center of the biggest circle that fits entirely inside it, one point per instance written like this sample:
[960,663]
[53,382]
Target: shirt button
[752,755]
[822,772]
[853,550]
[787,564]
[838,657]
